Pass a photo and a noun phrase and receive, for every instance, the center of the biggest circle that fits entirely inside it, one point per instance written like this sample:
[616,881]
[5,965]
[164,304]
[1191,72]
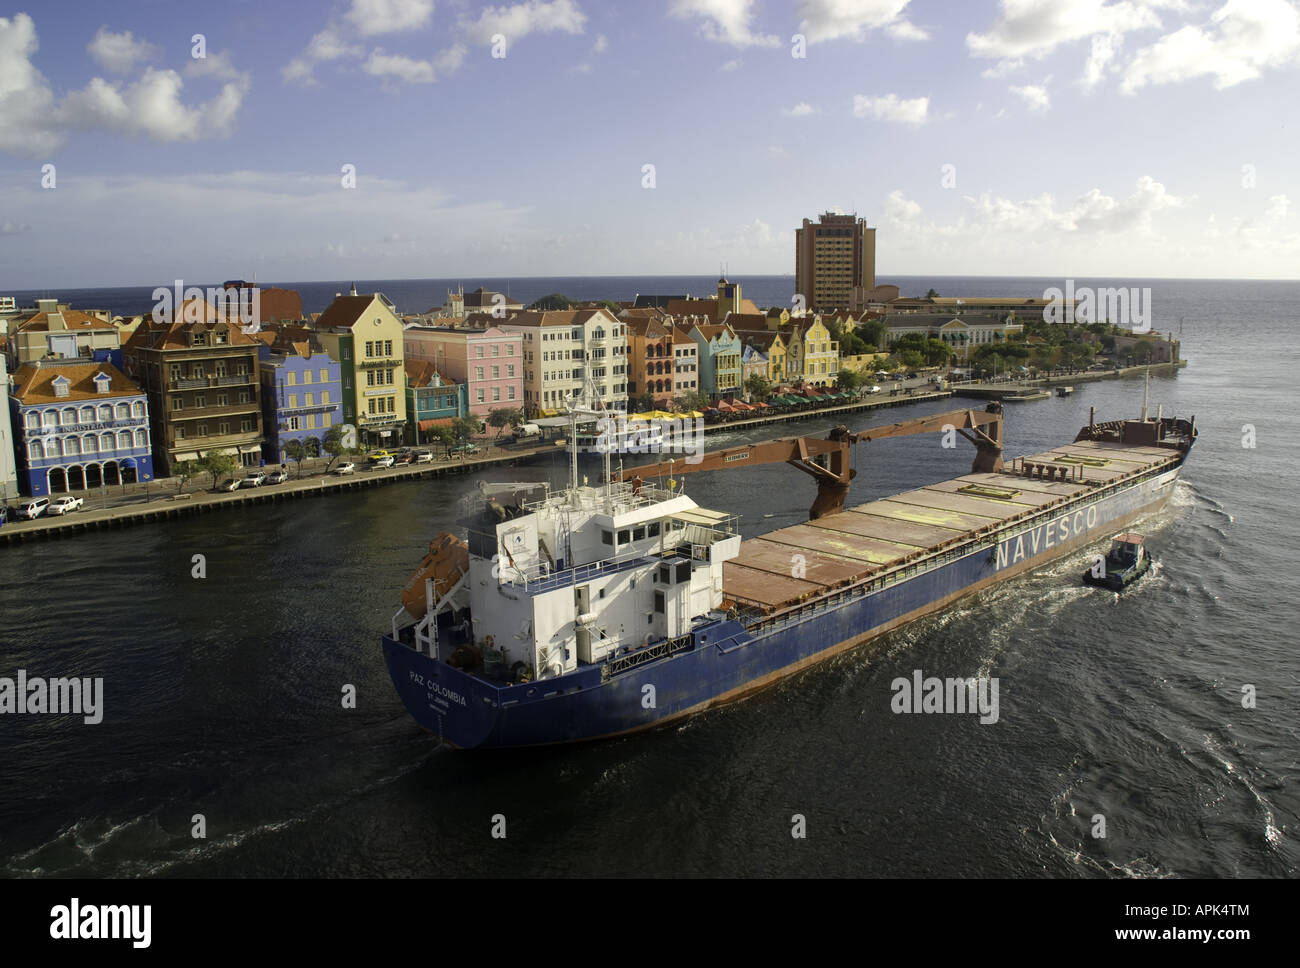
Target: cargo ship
[594,611]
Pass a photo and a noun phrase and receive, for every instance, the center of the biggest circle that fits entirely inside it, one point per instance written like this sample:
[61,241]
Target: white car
[65,504]
[347,467]
[277,477]
[31,510]
[383,461]
[423,457]
[873,389]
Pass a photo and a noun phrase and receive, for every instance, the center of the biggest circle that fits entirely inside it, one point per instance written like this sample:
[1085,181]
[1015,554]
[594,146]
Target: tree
[853,345]
[847,380]
[1141,352]
[295,450]
[443,436]
[931,294]
[937,352]
[756,386]
[555,300]
[463,428]
[871,332]
[334,446]
[609,304]
[184,473]
[218,465]
[644,403]
[504,417]
[689,400]
[912,359]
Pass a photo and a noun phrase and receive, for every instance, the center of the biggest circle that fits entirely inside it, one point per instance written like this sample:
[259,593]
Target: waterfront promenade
[125,505]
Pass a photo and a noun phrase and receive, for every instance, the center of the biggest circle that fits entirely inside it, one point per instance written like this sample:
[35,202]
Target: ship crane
[827,460]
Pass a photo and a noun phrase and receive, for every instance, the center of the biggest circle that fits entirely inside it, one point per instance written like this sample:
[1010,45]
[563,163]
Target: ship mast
[1146,391]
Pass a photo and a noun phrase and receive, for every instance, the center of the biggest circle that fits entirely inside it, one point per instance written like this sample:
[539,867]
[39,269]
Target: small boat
[1126,562]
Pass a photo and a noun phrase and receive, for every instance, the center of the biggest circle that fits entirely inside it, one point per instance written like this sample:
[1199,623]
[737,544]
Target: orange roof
[34,382]
[344,311]
[420,373]
[178,336]
[72,318]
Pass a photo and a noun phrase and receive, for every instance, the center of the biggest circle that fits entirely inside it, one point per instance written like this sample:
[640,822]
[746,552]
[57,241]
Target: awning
[702,516]
[251,449]
[437,422]
[188,455]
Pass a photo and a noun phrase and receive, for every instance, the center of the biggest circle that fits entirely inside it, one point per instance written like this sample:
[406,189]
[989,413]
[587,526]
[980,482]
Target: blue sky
[1084,137]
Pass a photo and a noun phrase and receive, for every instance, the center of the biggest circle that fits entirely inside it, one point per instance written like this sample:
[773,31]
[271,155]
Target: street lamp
[146,488]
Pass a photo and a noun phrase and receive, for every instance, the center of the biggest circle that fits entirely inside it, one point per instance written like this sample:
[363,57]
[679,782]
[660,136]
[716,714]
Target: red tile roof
[33,383]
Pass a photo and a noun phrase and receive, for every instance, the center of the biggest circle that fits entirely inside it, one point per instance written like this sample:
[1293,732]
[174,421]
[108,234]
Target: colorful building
[57,330]
[8,462]
[651,357]
[686,362]
[719,354]
[563,349]
[79,425]
[364,334]
[431,400]
[813,356]
[753,362]
[201,381]
[489,363]
[302,396]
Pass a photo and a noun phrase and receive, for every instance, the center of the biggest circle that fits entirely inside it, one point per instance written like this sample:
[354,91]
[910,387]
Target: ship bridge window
[607,537]
[653,529]
[624,536]
[659,602]
[638,534]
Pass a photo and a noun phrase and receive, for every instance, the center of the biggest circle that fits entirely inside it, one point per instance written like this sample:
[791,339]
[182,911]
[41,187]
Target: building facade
[489,363]
[432,400]
[832,257]
[56,330]
[79,426]
[686,362]
[719,353]
[201,382]
[813,355]
[651,359]
[363,333]
[565,348]
[302,397]
[8,452]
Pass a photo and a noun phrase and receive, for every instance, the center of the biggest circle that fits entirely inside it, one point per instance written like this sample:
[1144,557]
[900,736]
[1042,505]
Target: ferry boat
[596,611]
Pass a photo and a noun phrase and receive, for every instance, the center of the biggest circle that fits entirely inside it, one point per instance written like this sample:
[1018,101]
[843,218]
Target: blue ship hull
[723,660]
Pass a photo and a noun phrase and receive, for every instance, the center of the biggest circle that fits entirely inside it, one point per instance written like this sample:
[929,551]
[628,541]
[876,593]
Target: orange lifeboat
[446,562]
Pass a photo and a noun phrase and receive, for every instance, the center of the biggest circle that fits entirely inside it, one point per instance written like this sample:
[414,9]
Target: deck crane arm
[827,460]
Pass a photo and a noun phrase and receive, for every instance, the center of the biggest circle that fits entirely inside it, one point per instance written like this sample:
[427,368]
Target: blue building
[77,426]
[302,395]
[431,400]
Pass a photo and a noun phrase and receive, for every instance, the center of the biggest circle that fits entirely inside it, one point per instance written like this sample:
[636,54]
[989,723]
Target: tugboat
[1126,563]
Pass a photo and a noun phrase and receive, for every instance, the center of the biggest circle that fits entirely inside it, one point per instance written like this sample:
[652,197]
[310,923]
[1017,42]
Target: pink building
[488,361]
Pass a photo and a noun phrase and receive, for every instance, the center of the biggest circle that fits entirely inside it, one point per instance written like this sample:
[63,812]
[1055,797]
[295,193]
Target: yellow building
[364,334]
[812,355]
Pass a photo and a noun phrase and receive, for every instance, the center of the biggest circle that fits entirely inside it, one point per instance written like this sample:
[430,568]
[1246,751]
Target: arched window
[69,416]
[87,414]
[50,418]
[105,412]
[123,412]
[32,419]
[106,442]
[88,444]
[35,450]
[137,409]
[71,446]
[124,440]
[141,438]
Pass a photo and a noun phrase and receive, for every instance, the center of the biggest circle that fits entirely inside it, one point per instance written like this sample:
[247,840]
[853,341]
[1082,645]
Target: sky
[148,141]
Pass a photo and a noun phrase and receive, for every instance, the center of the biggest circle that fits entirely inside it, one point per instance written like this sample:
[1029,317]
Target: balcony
[197,383]
[202,413]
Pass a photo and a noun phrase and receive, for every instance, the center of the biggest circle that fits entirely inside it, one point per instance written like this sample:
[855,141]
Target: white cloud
[1034,28]
[1278,207]
[1242,40]
[801,110]
[371,18]
[151,106]
[412,70]
[891,107]
[833,19]
[119,53]
[732,65]
[1035,96]
[1103,52]
[601,44]
[726,21]
[217,65]
[518,21]
[326,45]
[14,228]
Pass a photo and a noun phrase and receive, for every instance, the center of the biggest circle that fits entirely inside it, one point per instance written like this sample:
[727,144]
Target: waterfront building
[302,394]
[719,359]
[363,333]
[488,363]
[565,348]
[833,256]
[651,358]
[686,361]
[432,400]
[772,346]
[201,382]
[1164,349]
[79,425]
[812,355]
[753,362]
[8,462]
[962,333]
[55,330]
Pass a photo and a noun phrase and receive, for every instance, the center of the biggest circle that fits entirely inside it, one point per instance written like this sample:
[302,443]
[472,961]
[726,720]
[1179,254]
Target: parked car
[256,479]
[464,450]
[229,484]
[347,467]
[31,510]
[405,458]
[379,455]
[873,389]
[277,477]
[423,457]
[385,461]
[63,505]
[6,514]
